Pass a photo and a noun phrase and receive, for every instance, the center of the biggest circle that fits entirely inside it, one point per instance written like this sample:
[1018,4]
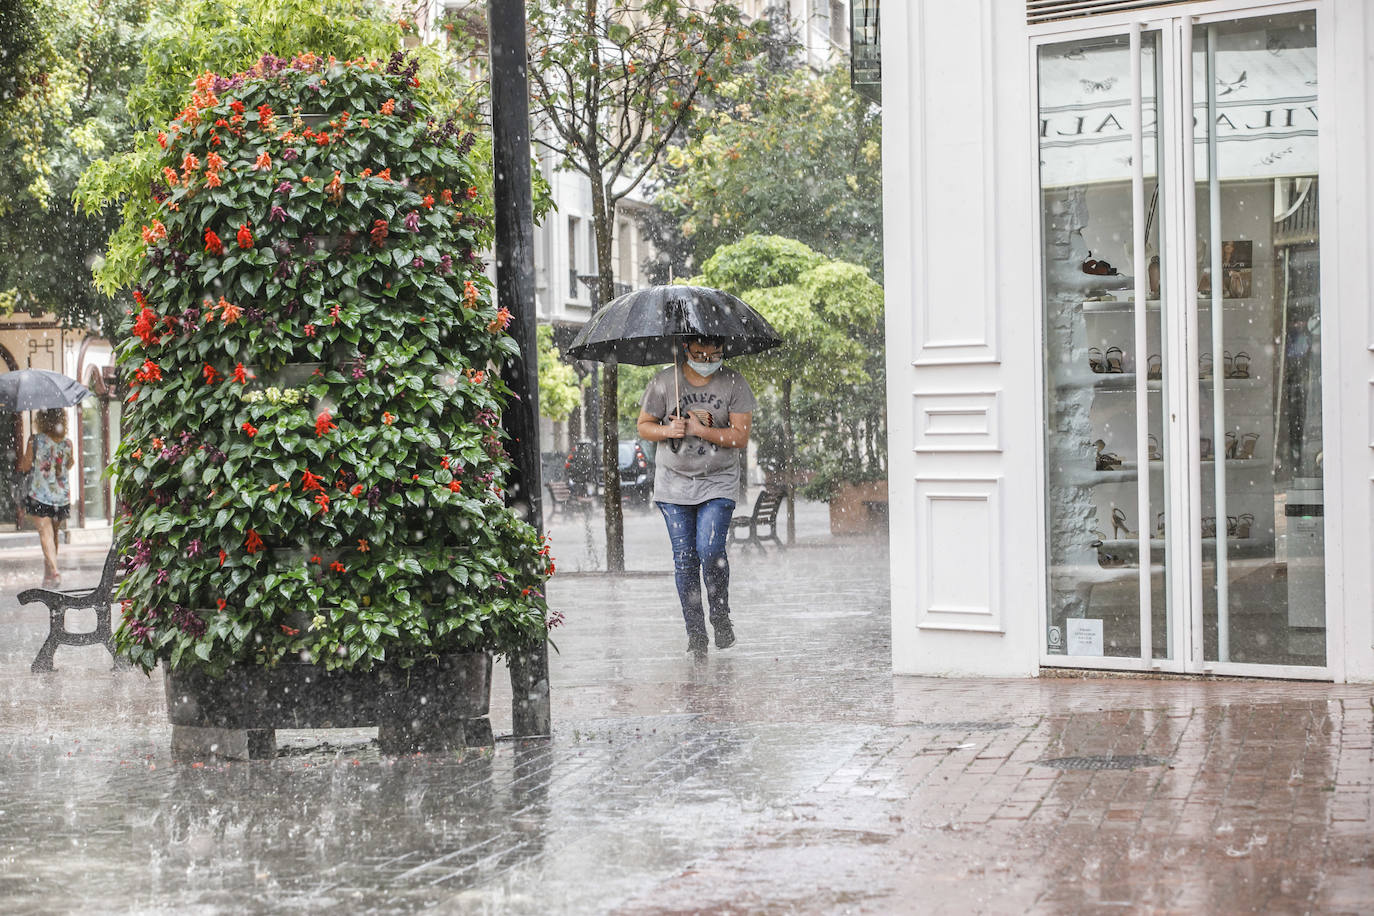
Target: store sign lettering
[1286,119]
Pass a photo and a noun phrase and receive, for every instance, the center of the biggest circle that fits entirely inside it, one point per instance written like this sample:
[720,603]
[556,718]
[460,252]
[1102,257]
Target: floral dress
[51,462]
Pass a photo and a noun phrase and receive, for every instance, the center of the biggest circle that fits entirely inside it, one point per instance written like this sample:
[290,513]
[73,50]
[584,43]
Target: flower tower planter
[311,474]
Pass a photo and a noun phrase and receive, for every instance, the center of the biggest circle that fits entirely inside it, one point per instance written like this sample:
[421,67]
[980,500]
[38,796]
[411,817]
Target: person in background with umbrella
[701,412]
[47,460]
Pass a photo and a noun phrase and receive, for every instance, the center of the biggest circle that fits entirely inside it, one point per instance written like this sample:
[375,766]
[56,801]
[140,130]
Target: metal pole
[510,125]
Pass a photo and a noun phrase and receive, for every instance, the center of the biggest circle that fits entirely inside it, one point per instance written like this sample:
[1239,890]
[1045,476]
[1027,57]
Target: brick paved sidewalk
[792,773]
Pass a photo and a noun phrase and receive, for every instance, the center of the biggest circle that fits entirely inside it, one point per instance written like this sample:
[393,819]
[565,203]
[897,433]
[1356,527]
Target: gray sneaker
[725,636]
[697,644]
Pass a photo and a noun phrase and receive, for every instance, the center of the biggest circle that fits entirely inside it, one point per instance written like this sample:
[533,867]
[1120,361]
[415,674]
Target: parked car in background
[636,473]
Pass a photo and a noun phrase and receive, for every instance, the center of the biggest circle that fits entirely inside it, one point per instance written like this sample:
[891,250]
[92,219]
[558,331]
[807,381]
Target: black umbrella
[640,327]
[38,389]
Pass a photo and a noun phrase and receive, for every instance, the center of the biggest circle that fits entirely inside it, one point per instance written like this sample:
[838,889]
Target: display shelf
[1110,306]
[1125,382]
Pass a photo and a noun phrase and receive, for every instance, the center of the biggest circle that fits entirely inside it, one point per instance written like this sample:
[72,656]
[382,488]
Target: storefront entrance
[1182,330]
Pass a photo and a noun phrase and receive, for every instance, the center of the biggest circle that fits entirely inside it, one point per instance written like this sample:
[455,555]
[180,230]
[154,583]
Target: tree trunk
[602,224]
[789,460]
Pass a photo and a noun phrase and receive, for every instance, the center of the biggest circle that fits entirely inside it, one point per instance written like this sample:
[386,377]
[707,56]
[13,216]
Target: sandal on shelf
[1227,365]
[1209,526]
[1243,524]
[1152,449]
[1104,559]
[1230,446]
[1106,461]
[1159,525]
[1098,268]
[1154,366]
[1204,366]
[1095,361]
[1231,523]
[1114,362]
[1205,451]
[1246,448]
[1240,368]
[1119,524]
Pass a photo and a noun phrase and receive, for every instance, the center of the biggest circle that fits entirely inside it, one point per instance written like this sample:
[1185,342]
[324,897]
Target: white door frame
[1183,580]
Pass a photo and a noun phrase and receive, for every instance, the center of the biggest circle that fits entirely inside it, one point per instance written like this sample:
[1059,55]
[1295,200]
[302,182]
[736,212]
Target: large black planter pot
[435,705]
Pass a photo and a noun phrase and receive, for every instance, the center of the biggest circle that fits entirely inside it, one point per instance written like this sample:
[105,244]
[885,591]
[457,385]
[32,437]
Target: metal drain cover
[962,726]
[1108,762]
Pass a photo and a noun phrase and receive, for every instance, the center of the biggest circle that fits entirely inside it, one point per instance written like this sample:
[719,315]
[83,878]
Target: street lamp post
[510,123]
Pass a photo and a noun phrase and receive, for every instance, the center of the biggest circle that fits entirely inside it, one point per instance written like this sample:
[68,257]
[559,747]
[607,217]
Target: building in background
[1129,336]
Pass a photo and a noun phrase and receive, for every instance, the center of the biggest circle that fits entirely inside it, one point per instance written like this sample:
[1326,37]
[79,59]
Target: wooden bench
[564,499]
[59,602]
[765,513]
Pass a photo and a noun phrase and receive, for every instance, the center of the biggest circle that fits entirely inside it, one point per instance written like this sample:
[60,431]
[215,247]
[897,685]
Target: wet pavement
[791,773]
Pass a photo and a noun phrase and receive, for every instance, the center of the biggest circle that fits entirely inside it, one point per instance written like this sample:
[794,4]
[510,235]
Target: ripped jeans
[698,534]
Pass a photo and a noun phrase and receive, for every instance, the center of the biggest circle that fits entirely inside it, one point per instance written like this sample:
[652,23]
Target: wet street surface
[791,773]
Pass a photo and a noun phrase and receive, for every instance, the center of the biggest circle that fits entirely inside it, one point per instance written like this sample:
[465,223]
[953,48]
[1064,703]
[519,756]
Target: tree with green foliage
[190,37]
[559,392]
[791,153]
[829,314]
[612,82]
[67,69]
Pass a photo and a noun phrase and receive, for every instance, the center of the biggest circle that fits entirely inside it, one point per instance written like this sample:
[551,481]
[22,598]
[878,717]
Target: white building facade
[1130,348]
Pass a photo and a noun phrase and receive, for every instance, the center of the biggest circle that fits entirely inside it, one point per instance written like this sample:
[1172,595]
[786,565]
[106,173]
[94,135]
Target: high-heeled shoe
[1152,449]
[1159,525]
[1231,523]
[1209,526]
[1246,448]
[1114,362]
[1243,524]
[1106,461]
[1230,446]
[1097,267]
[1204,366]
[1153,366]
[1205,450]
[1240,368]
[1119,525]
[1095,361]
[1227,364]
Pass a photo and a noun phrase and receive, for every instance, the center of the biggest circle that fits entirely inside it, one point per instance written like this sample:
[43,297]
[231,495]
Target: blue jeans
[698,534]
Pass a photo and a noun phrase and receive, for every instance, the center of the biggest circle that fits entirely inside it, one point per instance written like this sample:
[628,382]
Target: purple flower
[187,620]
[194,548]
[143,552]
[283,188]
[374,496]
[290,154]
[358,372]
[191,315]
[139,630]
[417,262]
[446,264]
[161,577]
[284,270]
[253,314]
[278,214]
[412,221]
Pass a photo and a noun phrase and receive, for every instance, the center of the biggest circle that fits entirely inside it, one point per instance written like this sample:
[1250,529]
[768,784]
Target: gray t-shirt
[689,471]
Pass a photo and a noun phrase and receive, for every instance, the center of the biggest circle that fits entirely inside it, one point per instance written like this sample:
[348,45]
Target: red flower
[323,424]
[379,233]
[454,486]
[363,545]
[264,161]
[249,428]
[222,556]
[385,174]
[443,462]
[310,482]
[265,117]
[500,322]
[428,201]
[154,233]
[357,489]
[388,417]
[150,372]
[388,106]
[289,631]
[161,139]
[252,543]
[338,567]
[472,193]
[220,602]
[309,330]
[245,236]
[229,312]
[240,374]
[145,328]
[315,559]
[446,196]
[210,373]
[237,106]
[212,243]
[322,500]
[470,294]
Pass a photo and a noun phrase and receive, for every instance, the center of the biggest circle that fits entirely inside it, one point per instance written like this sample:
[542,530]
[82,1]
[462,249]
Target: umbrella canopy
[38,389]
[640,327]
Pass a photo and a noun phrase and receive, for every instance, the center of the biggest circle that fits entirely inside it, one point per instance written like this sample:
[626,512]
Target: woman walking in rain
[47,460]
[701,412]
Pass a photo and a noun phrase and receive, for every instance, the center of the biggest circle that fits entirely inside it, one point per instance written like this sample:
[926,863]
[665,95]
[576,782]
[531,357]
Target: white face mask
[705,369]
